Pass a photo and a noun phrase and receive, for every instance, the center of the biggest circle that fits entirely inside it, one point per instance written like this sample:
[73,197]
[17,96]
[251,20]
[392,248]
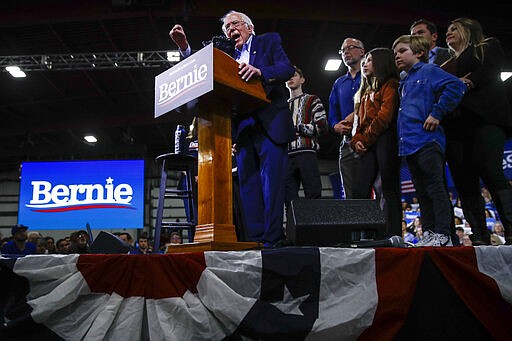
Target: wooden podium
[215,229]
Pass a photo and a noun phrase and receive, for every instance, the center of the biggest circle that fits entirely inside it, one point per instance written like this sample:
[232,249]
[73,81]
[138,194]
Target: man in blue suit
[261,138]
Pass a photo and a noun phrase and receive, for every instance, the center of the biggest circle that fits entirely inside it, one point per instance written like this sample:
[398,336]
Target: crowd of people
[406,101]
[22,242]
[411,100]
[431,106]
[447,106]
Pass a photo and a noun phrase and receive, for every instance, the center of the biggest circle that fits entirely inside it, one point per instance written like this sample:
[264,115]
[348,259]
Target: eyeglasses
[235,23]
[348,48]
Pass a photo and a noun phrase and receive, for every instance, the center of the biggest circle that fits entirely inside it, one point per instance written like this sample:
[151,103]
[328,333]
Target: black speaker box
[330,222]
[107,243]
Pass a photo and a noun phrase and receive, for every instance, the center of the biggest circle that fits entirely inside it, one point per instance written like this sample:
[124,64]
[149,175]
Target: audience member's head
[175,238]
[417,222]
[143,242]
[498,229]
[62,246]
[41,246]
[50,244]
[126,237]
[404,225]
[466,241]
[33,236]
[19,233]
[459,230]
[79,242]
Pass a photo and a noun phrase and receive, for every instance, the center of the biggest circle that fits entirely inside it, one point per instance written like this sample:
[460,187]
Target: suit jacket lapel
[254,48]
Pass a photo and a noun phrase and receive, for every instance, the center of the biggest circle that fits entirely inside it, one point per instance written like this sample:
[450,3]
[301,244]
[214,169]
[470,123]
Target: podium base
[215,232]
[213,246]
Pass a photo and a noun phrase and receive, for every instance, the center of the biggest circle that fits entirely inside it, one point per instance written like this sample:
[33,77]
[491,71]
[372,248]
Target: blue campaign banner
[68,195]
[507,160]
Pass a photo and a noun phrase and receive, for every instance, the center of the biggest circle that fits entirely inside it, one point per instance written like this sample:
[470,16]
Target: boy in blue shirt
[427,94]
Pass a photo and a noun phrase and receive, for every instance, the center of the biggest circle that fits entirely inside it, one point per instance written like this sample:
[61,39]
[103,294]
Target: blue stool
[176,162]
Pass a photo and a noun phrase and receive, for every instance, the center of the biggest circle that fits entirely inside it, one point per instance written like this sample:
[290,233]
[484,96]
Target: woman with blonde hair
[476,131]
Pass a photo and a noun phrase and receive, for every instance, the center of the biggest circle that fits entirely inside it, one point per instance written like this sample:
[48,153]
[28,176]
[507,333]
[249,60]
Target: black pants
[381,158]
[427,168]
[303,169]
[474,150]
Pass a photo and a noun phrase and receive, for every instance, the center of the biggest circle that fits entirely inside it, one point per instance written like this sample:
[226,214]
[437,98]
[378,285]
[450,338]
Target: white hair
[244,16]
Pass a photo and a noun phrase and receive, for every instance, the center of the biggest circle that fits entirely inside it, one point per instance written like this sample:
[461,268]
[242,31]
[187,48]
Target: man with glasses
[341,105]
[79,242]
[261,138]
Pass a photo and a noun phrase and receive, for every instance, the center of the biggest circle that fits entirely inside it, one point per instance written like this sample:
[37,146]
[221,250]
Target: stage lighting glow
[332,65]
[173,56]
[15,71]
[90,138]
[505,75]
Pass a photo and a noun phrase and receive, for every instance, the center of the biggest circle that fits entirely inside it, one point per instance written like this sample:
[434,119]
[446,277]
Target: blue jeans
[427,168]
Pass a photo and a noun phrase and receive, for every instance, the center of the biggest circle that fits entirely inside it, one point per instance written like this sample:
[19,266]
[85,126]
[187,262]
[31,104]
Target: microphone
[393,241]
[222,43]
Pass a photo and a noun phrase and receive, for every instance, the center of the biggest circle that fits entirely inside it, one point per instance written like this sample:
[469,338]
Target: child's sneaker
[434,239]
